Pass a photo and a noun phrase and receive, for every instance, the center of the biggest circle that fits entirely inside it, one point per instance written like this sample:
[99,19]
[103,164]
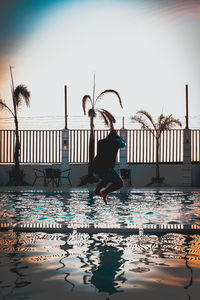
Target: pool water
[39,265]
[80,206]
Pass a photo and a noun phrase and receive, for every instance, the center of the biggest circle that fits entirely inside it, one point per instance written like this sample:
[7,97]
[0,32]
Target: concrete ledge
[157,229]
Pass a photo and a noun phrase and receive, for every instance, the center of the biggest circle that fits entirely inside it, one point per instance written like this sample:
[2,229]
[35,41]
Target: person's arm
[121,142]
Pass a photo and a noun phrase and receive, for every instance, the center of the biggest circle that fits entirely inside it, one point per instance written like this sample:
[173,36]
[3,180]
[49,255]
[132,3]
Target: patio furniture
[52,176]
[38,174]
[60,174]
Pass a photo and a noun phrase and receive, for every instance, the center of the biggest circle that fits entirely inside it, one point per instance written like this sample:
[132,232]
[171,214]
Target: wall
[141,174]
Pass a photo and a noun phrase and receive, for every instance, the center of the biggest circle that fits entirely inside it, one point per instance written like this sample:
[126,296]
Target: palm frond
[110,91]
[85,99]
[148,116]
[108,118]
[108,115]
[161,118]
[170,122]
[3,106]
[106,122]
[21,93]
[141,121]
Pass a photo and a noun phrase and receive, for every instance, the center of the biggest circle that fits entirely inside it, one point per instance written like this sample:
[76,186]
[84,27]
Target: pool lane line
[157,229]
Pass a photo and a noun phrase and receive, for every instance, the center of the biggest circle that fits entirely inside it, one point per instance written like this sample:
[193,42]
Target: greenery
[156,128]
[19,94]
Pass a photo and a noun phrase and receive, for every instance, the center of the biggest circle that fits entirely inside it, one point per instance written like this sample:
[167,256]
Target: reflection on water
[81,207]
[98,264]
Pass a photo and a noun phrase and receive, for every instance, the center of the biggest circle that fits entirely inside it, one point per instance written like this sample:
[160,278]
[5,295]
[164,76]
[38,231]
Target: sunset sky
[146,50]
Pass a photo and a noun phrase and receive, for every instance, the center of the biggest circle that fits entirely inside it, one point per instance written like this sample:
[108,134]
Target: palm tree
[156,128]
[19,94]
[93,112]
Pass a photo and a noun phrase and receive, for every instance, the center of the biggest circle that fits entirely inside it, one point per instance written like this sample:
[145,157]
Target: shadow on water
[103,278]
[104,273]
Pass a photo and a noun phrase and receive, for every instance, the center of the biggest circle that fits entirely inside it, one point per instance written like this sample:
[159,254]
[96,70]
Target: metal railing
[45,146]
[37,146]
[142,146]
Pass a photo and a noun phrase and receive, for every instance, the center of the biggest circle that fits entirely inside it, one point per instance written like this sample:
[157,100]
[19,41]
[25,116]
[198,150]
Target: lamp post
[187,166]
[65,90]
[65,140]
[186,98]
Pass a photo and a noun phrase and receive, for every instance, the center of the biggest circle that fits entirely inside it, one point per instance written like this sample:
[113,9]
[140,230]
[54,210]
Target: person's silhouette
[104,163]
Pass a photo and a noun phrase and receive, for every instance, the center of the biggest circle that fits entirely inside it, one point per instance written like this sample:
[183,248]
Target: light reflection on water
[35,265]
[123,208]
[100,266]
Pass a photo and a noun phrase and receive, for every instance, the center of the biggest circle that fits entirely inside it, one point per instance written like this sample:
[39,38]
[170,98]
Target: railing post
[125,172]
[187,166]
[65,152]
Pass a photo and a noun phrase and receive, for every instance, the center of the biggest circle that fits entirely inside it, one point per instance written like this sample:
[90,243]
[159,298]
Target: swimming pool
[82,265]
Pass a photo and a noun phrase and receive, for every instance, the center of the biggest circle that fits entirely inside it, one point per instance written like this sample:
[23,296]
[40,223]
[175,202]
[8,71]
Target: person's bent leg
[111,188]
[99,186]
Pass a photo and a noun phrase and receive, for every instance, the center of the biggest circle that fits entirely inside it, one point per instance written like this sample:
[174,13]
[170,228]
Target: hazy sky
[146,50]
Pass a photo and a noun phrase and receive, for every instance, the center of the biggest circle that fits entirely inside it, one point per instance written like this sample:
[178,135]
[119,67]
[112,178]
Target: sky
[146,50]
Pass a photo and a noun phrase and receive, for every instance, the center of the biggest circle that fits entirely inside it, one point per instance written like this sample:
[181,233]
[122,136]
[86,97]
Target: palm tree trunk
[91,147]
[16,155]
[157,159]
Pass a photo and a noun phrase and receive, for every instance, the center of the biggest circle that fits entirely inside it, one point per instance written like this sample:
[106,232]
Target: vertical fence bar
[153,147]
[49,146]
[199,145]
[26,134]
[4,141]
[169,145]
[74,147]
[180,144]
[70,146]
[56,146]
[36,145]
[147,145]
[84,146]
[163,146]
[196,146]
[42,156]
[143,146]
[176,145]
[192,145]
[39,145]
[6,145]
[9,146]
[173,145]
[87,146]
[77,145]
[33,148]
[1,160]
[149,137]
[52,146]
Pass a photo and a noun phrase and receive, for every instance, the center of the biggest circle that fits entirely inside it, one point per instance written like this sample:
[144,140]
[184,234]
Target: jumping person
[104,163]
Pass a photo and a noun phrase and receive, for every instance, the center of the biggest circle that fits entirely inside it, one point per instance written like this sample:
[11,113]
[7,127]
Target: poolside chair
[59,174]
[38,174]
[52,176]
